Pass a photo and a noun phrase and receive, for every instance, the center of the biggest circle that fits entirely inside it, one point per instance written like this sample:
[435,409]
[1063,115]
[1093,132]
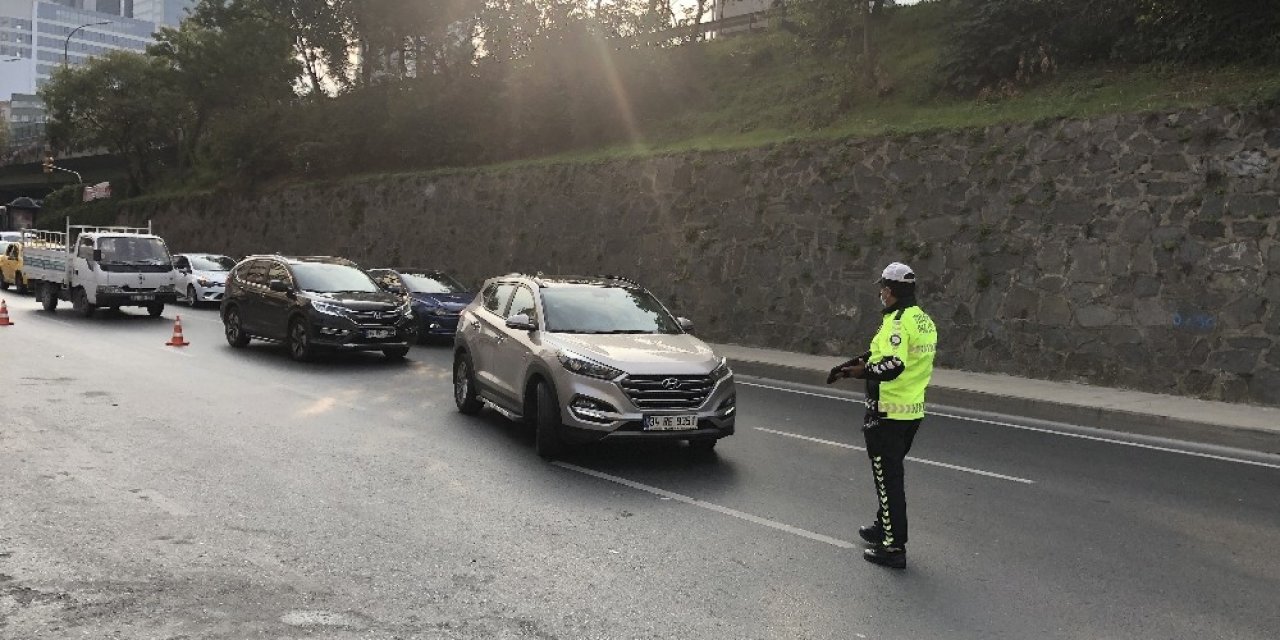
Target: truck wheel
[546,416]
[4,284]
[154,310]
[80,302]
[48,295]
[20,283]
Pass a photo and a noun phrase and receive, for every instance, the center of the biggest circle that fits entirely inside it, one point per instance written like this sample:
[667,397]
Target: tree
[227,55]
[121,102]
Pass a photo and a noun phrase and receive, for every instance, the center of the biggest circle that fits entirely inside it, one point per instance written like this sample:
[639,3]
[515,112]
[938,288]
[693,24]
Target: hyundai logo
[670,383]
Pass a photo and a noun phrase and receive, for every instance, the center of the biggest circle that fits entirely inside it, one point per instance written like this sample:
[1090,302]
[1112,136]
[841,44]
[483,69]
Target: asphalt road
[206,492]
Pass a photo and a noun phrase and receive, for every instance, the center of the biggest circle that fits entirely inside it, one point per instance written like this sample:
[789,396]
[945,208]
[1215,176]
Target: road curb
[1138,423]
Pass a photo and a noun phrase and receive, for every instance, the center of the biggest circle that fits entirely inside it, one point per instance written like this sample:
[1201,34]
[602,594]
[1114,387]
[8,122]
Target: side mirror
[521,322]
[685,324]
[97,255]
[279,286]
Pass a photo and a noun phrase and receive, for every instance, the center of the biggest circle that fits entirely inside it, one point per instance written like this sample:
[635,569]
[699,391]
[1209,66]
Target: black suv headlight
[328,308]
[584,367]
[721,369]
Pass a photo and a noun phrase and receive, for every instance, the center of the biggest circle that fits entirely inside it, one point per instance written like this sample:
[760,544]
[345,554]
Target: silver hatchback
[589,359]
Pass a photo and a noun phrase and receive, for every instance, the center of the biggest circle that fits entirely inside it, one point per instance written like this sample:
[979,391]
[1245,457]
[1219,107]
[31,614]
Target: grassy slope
[766,88]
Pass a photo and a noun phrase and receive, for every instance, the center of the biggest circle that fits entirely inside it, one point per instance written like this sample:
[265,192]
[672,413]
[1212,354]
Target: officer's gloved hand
[835,374]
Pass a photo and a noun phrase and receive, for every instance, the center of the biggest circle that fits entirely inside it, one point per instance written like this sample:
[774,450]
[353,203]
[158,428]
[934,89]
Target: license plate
[670,423]
[379,333]
[142,297]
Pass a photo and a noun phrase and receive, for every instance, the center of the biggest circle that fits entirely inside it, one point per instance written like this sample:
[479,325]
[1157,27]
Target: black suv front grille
[374,317]
[667,392]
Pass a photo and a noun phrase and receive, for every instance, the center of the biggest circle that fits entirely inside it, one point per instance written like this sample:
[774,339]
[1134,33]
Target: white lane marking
[818,537]
[920,460]
[1068,434]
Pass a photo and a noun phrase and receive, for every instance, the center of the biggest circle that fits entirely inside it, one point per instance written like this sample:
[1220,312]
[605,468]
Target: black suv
[313,304]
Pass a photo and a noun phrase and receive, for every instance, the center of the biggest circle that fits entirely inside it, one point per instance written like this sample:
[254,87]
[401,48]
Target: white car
[202,277]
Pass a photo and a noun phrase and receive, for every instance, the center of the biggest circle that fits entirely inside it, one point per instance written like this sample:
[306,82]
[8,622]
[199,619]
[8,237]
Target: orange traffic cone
[4,314]
[177,339]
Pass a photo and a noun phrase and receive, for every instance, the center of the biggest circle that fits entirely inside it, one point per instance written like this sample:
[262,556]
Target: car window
[432,283]
[276,271]
[496,297]
[325,277]
[256,273]
[212,263]
[385,278]
[593,309]
[522,302]
[181,262]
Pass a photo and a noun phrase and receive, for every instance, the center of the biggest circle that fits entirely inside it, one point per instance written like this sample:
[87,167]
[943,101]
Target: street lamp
[66,46]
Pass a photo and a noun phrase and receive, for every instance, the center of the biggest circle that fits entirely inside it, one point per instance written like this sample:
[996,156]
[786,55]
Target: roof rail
[620,279]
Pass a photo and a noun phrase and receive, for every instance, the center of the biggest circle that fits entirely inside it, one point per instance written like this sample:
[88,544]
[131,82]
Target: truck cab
[124,269]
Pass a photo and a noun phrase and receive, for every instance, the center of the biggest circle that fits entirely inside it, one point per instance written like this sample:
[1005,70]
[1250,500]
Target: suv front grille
[667,392]
[374,317]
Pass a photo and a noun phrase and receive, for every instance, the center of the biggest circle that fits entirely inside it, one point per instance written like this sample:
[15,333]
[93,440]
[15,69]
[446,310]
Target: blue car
[436,297]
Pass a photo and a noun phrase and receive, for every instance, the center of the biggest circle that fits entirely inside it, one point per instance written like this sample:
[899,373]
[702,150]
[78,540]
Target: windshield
[133,251]
[332,278]
[212,263]
[594,309]
[431,283]
[10,236]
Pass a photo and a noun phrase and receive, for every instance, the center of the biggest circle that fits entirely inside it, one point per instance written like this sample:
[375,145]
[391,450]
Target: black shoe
[892,557]
[872,534]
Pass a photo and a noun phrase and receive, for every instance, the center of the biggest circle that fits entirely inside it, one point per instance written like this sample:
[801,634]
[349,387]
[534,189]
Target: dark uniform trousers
[887,445]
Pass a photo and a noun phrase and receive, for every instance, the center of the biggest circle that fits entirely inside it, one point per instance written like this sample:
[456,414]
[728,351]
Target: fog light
[729,406]
[330,331]
[592,410]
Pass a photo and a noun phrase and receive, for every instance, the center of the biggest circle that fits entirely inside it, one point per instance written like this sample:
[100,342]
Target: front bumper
[343,334]
[209,294]
[429,325]
[716,415]
[128,299]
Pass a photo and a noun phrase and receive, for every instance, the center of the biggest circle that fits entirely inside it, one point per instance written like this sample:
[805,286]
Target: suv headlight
[583,367]
[204,282]
[329,308]
[721,369]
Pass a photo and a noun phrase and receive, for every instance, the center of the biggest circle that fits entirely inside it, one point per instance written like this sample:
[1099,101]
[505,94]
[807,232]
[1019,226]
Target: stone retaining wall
[1137,251]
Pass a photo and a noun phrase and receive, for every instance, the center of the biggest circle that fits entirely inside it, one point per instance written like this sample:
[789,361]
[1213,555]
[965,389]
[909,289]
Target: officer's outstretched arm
[889,368]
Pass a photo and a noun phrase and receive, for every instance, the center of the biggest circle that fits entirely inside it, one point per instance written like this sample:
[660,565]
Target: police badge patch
[895,340]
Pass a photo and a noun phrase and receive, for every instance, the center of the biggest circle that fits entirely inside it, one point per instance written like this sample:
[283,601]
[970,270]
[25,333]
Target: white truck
[100,267]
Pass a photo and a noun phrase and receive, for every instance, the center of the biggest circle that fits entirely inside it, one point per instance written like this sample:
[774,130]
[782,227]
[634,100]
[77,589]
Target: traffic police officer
[897,370]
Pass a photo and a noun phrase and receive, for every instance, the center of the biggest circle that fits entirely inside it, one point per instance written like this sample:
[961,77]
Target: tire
[546,420]
[299,341]
[48,295]
[4,284]
[464,386]
[703,447]
[154,310]
[233,330]
[397,353]
[80,302]
[192,301]
[20,283]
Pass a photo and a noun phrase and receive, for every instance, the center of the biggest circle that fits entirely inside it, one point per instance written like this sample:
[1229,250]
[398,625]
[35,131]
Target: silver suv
[589,359]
